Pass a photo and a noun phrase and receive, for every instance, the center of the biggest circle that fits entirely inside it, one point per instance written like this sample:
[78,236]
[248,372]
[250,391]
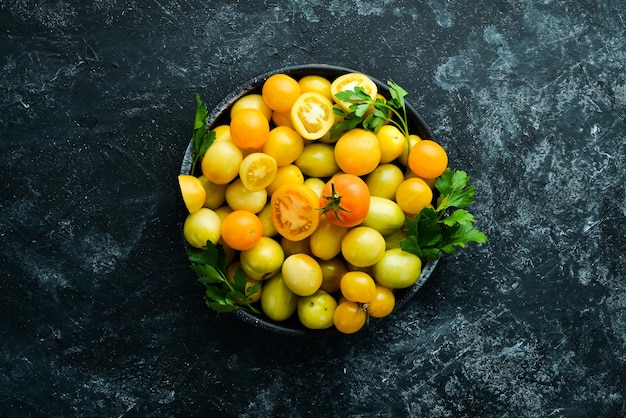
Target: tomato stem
[334,202]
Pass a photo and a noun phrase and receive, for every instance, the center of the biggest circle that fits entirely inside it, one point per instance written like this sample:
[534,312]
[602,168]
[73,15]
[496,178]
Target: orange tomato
[241,230]
[357,152]
[294,211]
[427,159]
[382,303]
[249,129]
[413,195]
[280,92]
[349,317]
[358,286]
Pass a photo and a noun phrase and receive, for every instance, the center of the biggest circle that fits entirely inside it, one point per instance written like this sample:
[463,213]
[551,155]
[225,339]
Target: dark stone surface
[100,313]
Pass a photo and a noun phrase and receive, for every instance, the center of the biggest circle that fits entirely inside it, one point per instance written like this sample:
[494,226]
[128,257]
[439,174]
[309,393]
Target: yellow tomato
[348,82]
[192,191]
[312,115]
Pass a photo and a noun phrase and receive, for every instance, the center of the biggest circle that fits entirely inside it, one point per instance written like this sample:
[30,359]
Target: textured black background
[100,313]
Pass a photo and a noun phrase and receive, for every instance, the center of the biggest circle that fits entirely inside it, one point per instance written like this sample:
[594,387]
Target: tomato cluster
[315,220]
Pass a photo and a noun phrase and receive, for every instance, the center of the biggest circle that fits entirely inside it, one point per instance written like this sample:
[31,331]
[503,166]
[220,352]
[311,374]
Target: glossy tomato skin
[317,310]
[397,269]
[278,302]
[346,199]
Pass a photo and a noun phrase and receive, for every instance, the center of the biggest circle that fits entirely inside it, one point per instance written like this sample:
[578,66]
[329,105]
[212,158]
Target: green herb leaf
[435,230]
[202,138]
[220,294]
[455,190]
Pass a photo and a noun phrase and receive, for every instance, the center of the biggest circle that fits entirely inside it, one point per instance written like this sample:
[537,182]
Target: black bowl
[221,115]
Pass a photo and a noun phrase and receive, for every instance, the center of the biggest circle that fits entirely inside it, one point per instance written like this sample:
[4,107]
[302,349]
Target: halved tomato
[348,82]
[312,115]
[257,171]
[294,211]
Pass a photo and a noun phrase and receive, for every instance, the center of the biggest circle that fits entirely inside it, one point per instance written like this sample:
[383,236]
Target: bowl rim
[220,112]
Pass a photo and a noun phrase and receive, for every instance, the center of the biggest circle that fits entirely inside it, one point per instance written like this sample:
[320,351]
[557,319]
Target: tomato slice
[294,211]
[348,82]
[312,115]
[257,171]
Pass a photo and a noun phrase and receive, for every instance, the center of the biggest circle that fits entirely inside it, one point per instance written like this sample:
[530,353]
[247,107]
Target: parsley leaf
[447,227]
[220,295]
[371,113]
[202,138]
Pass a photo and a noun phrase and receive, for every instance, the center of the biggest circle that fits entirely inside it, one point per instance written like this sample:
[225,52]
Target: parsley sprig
[202,137]
[447,226]
[383,111]
[220,294]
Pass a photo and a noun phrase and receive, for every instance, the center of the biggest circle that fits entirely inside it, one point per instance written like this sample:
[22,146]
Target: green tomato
[397,269]
[363,246]
[277,301]
[384,215]
[263,260]
[384,180]
[317,311]
[317,160]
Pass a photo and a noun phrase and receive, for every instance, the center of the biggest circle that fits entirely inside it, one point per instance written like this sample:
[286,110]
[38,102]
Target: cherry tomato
[294,211]
[349,317]
[241,230]
[257,171]
[280,92]
[391,141]
[201,226]
[278,302]
[382,303]
[317,160]
[215,193]
[263,260]
[316,84]
[397,269]
[222,133]
[358,286]
[302,274]
[295,247]
[287,174]
[221,161]
[265,215]
[348,82]
[332,272]
[239,197]
[404,158]
[193,192]
[251,101]
[345,200]
[384,215]
[284,144]
[325,242]
[282,119]
[249,129]
[428,159]
[384,181]
[363,246]
[393,240]
[413,194]
[315,184]
[312,115]
[317,310]
[357,152]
